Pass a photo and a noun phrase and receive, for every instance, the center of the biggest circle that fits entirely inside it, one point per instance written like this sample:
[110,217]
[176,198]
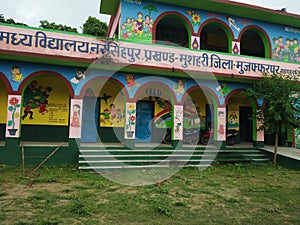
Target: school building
[167,72]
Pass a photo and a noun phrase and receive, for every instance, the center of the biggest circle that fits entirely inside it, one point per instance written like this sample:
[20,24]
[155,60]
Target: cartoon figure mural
[221,119]
[233,120]
[179,87]
[223,90]
[287,51]
[140,27]
[79,76]
[35,97]
[75,122]
[130,81]
[112,114]
[16,74]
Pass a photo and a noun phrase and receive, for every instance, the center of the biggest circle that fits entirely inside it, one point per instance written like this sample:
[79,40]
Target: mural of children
[75,117]
[280,43]
[287,44]
[16,74]
[151,26]
[106,116]
[129,29]
[113,112]
[135,28]
[146,25]
[43,107]
[27,111]
[179,87]
[296,46]
[140,23]
[124,31]
[119,115]
[276,47]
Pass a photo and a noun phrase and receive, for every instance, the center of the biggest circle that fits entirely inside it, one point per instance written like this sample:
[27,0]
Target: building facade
[166,69]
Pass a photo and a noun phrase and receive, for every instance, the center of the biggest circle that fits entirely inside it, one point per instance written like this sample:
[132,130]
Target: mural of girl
[75,117]
[140,24]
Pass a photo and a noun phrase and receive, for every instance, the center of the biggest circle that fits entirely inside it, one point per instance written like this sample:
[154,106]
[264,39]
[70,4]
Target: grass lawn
[230,194]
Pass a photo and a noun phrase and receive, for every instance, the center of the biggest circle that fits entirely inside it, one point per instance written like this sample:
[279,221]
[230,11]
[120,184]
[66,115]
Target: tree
[150,8]
[10,21]
[280,93]
[45,24]
[95,27]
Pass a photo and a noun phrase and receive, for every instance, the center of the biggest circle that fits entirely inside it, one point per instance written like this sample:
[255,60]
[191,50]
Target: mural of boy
[179,87]
[16,74]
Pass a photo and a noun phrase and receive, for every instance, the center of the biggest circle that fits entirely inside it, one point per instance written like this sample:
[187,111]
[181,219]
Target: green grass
[231,194]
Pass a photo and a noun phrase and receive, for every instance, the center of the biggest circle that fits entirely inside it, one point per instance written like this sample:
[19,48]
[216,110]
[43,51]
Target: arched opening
[45,109]
[252,44]
[3,108]
[214,37]
[103,111]
[172,29]
[154,110]
[199,108]
[240,111]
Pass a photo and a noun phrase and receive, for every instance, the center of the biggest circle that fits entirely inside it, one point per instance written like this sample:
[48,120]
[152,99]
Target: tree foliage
[95,27]
[10,21]
[280,94]
[53,26]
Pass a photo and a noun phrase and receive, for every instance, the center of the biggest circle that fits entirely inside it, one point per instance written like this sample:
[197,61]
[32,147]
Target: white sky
[75,12]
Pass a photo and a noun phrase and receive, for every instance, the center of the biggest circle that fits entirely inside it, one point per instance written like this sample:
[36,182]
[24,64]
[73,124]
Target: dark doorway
[172,30]
[90,119]
[246,124]
[209,117]
[214,38]
[252,44]
[144,118]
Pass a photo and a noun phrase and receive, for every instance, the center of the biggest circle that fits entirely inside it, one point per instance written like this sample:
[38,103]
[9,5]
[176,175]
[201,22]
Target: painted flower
[196,18]
[14,105]
[17,115]
[131,116]
[13,101]
[131,107]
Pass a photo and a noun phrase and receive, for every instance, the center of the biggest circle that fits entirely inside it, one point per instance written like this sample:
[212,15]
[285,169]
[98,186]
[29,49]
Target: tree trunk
[276,145]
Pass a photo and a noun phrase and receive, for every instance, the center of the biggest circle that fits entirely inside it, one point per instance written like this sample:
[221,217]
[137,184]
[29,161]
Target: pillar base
[220,144]
[129,143]
[258,144]
[177,144]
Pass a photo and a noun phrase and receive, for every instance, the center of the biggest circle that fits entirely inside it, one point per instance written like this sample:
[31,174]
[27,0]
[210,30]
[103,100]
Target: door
[90,119]
[246,124]
[144,118]
[209,110]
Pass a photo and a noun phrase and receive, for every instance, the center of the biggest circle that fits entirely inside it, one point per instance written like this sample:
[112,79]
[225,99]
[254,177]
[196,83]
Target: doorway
[246,124]
[144,118]
[90,119]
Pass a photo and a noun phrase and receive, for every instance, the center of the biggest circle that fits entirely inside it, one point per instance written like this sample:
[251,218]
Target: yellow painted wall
[51,110]
[3,102]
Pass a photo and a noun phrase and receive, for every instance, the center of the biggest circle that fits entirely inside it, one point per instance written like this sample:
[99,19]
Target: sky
[75,12]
